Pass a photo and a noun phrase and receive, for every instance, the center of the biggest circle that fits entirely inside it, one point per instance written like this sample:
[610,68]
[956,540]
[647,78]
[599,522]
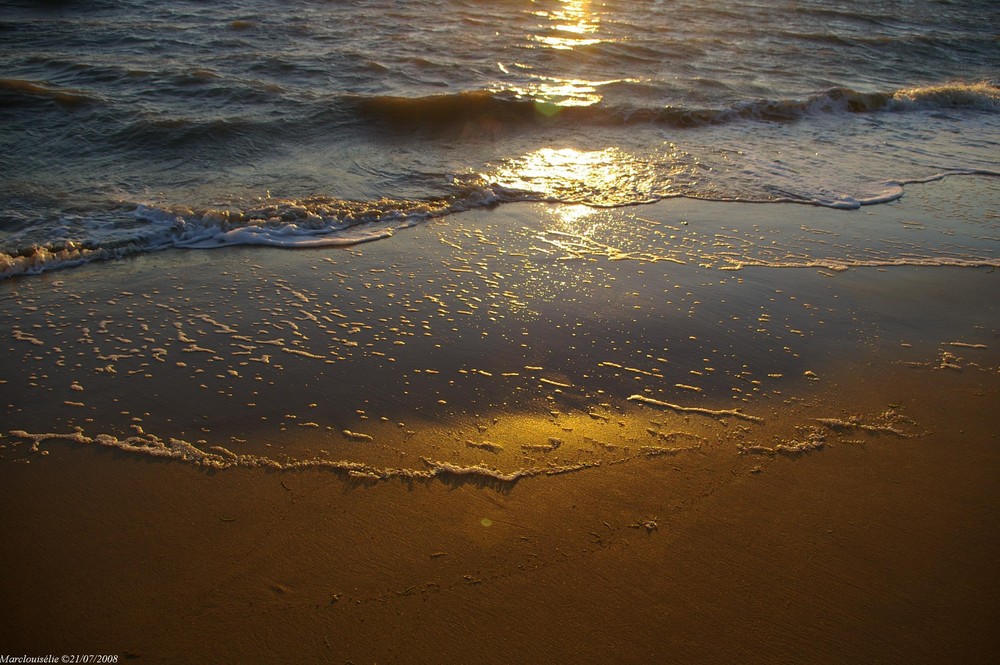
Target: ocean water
[135,126]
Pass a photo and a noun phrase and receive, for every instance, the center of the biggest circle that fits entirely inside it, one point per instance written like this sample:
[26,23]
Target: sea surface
[131,126]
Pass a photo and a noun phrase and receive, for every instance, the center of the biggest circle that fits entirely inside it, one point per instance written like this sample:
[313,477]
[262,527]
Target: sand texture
[687,432]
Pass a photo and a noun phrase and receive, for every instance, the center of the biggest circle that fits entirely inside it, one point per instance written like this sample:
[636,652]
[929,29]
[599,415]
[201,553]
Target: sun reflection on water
[598,177]
[570,26]
[576,217]
[553,93]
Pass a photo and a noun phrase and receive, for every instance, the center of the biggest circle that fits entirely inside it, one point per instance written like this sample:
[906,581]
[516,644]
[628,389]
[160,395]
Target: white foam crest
[980,96]
[37,259]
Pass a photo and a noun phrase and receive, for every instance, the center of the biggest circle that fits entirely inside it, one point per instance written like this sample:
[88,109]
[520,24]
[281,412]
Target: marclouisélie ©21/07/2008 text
[64,658]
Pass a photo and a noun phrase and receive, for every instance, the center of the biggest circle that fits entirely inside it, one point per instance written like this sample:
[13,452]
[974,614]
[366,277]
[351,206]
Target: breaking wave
[511,109]
[491,111]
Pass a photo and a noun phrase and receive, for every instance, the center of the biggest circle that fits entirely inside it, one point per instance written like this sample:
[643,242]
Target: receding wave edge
[324,222]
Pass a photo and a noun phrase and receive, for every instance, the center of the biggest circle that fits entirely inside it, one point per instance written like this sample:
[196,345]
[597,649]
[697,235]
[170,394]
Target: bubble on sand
[485,445]
[713,413]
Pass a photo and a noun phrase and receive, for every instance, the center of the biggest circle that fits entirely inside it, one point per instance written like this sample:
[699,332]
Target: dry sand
[424,449]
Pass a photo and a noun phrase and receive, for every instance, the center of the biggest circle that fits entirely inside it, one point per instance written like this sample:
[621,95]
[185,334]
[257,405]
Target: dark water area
[130,127]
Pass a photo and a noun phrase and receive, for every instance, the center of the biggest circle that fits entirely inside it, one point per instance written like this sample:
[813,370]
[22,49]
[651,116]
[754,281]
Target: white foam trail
[284,223]
[714,413]
[789,449]
[219,458]
[840,265]
[326,222]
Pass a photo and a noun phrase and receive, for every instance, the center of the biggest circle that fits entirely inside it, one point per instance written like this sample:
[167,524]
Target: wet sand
[531,434]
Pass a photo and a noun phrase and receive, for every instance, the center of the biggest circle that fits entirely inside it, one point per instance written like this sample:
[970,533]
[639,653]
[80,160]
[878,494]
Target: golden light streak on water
[571,26]
[552,93]
[569,174]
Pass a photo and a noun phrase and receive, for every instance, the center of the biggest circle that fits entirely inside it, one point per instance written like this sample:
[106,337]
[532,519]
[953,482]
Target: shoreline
[545,437]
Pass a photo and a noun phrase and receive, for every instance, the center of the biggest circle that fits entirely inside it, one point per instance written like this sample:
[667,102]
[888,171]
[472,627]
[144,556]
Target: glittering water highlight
[135,127]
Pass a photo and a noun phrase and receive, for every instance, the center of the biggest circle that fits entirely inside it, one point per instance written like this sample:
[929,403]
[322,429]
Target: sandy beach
[530,434]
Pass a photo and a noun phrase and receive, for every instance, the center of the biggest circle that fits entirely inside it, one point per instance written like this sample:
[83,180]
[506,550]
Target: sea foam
[220,458]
